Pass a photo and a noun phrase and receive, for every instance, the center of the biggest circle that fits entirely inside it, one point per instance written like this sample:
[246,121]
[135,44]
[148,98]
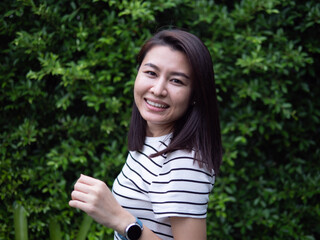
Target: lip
[156,105]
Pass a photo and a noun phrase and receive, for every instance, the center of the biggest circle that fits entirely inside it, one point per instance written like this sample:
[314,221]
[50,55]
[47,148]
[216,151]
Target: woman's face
[162,89]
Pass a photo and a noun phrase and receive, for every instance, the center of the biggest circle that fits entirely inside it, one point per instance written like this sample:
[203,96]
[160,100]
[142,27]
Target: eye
[151,73]
[177,81]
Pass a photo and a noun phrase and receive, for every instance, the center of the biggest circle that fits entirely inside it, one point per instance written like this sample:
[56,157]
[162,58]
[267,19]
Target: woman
[175,147]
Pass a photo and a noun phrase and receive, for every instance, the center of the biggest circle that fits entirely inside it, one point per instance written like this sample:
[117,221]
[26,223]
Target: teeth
[156,104]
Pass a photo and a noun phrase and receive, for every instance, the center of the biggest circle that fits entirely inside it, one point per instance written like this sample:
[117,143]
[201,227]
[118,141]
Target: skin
[95,198]
[164,78]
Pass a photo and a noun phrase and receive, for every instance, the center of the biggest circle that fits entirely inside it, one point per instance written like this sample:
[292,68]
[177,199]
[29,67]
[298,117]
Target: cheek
[136,95]
[138,89]
[141,86]
[183,99]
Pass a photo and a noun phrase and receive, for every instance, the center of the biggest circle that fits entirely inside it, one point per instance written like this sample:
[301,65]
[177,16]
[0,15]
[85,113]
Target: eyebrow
[172,73]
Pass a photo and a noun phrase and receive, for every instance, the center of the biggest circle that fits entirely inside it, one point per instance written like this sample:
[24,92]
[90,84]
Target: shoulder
[183,160]
[182,187]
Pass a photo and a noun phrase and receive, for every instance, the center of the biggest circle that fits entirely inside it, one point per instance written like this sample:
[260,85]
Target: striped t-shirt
[154,189]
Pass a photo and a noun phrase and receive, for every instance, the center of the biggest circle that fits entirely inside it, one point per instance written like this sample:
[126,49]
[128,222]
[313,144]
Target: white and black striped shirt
[154,189]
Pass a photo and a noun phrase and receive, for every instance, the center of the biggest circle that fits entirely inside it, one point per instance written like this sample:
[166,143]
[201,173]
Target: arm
[182,229]
[95,198]
[189,228]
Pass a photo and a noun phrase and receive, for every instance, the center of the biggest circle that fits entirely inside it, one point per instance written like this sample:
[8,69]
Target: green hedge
[67,72]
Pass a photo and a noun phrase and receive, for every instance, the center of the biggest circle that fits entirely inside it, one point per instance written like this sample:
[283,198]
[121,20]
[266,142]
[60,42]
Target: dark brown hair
[199,128]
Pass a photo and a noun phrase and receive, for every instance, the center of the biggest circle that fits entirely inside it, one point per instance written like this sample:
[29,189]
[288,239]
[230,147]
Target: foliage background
[66,77]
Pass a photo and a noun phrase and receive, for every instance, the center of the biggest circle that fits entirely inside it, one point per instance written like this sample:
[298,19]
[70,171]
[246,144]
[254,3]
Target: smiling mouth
[153,104]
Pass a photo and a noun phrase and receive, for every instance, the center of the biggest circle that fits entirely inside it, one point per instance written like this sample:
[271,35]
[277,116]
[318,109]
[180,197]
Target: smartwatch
[133,231]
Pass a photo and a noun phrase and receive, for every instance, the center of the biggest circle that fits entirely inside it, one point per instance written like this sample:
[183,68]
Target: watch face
[134,232]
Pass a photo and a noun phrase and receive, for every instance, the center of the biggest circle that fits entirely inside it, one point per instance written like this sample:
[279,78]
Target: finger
[80,196]
[78,204]
[89,209]
[81,187]
[88,180]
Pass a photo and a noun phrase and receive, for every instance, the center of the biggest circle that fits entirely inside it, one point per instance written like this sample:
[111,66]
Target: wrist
[133,231]
[123,222]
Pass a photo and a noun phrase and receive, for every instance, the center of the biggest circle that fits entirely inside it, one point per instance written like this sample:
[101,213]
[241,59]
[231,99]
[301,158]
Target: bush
[67,74]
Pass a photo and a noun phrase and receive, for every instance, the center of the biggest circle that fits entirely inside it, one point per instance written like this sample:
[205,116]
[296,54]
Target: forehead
[166,57]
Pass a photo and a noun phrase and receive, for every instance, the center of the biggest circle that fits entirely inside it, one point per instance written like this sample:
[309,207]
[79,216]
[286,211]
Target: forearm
[147,234]
[125,220]
[94,197]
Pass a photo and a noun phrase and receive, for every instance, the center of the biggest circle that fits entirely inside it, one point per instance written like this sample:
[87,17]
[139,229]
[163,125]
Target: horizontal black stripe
[123,196]
[142,165]
[150,159]
[162,234]
[137,174]
[155,150]
[149,146]
[139,209]
[179,158]
[184,169]
[142,190]
[179,191]
[164,143]
[124,186]
[182,213]
[181,180]
[180,202]
[154,221]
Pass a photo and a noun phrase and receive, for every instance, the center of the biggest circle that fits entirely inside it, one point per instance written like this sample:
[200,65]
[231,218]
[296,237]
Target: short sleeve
[182,187]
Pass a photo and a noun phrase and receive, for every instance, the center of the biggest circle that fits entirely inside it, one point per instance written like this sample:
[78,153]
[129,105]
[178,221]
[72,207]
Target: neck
[157,131]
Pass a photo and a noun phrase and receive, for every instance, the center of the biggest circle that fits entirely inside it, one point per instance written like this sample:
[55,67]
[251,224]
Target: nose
[159,88]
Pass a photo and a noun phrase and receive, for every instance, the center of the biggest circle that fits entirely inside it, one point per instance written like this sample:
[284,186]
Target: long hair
[199,128]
